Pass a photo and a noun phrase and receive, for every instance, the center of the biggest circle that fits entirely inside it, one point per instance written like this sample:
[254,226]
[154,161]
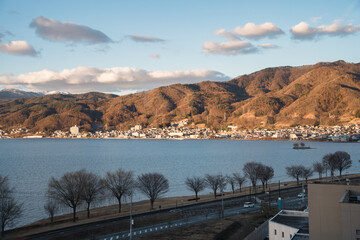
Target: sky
[128,46]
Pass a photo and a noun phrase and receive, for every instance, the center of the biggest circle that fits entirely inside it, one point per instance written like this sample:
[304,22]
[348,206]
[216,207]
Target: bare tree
[92,189]
[119,183]
[51,207]
[252,171]
[329,162]
[215,182]
[195,184]
[342,160]
[232,181]
[266,174]
[319,168]
[67,190]
[306,172]
[295,171]
[10,210]
[152,185]
[239,179]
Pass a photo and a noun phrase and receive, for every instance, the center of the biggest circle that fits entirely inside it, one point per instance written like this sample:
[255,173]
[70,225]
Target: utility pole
[279,189]
[222,204]
[131,220]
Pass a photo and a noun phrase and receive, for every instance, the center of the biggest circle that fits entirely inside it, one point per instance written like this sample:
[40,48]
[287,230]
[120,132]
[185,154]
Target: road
[189,210]
[291,203]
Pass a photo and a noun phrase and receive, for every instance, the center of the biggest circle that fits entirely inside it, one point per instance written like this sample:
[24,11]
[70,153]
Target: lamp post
[131,220]
[222,204]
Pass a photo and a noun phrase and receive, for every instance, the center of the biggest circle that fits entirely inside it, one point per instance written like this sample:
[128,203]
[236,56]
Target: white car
[249,204]
[300,195]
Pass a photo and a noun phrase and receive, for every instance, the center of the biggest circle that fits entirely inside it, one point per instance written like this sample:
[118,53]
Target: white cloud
[228,48]
[56,31]
[303,31]
[251,30]
[226,34]
[22,48]
[140,38]
[155,55]
[85,79]
[268,45]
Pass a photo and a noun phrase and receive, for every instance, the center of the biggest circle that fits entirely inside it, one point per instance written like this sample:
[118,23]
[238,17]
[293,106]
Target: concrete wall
[280,228]
[325,214]
[350,220]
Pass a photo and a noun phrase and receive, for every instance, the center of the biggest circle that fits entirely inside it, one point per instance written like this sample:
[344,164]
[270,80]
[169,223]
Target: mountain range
[320,94]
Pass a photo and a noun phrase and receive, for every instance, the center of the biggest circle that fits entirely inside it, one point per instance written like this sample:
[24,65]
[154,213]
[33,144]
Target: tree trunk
[52,218]
[240,188]
[74,214]
[263,183]
[255,192]
[2,229]
[214,193]
[196,194]
[152,203]
[119,200]
[88,210]
[340,170]
[297,180]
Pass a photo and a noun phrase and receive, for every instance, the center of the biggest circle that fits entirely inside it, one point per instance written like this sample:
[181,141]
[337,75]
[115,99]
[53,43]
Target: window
[357,232]
[282,235]
[275,231]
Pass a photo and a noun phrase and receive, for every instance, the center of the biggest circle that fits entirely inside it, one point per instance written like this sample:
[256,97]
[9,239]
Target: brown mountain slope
[324,93]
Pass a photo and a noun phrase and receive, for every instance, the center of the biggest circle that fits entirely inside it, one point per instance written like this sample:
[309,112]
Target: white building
[74,130]
[289,225]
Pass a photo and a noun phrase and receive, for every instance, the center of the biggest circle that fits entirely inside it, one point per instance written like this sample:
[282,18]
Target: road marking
[139,232]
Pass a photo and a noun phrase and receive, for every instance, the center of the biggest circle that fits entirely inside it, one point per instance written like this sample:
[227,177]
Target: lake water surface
[30,163]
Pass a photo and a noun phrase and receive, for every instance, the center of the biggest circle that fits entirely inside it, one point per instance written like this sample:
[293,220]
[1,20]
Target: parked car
[300,195]
[249,204]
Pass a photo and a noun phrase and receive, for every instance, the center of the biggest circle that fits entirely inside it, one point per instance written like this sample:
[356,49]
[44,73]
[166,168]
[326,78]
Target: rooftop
[350,197]
[295,219]
[300,236]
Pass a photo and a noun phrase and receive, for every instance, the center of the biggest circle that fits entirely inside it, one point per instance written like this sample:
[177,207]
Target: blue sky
[127,46]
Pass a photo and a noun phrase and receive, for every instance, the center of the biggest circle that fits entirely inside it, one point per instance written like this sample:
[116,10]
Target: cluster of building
[182,130]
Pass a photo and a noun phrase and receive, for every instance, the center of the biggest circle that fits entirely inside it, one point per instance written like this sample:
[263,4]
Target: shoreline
[110,211]
[181,139]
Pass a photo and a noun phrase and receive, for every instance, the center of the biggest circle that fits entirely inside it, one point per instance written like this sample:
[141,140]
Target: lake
[30,163]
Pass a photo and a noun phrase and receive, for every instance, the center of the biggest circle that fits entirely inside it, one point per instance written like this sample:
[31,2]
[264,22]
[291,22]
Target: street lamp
[131,220]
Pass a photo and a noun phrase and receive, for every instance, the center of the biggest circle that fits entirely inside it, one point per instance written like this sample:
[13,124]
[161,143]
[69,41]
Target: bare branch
[119,183]
[152,185]
[195,184]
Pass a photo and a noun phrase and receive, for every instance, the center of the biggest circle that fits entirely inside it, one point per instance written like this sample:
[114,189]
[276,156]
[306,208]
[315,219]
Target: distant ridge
[319,94]
[9,94]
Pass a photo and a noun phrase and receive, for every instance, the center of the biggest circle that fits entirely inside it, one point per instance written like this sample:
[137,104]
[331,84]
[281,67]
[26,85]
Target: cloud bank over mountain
[85,79]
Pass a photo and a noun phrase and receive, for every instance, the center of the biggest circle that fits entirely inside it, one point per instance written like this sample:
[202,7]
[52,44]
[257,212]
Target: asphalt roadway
[198,212]
[291,203]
